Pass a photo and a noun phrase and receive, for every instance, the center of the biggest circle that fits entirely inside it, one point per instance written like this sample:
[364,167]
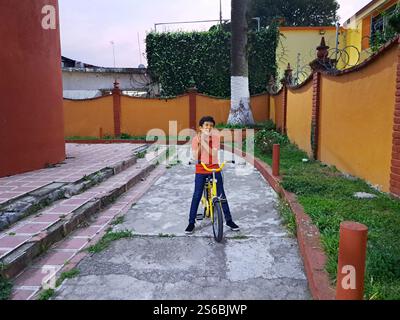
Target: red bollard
[275,159]
[351,264]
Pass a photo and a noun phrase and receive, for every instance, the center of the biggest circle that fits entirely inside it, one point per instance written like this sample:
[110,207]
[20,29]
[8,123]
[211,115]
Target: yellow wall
[357,120]
[85,117]
[303,41]
[139,115]
[299,112]
[353,38]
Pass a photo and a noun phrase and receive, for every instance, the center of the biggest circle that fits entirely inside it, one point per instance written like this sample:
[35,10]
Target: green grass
[118,220]
[289,220]
[173,164]
[5,289]
[141,155]
[46,294]
[109,237]
[166,235]
[327,197]
[81,138]
[67,275]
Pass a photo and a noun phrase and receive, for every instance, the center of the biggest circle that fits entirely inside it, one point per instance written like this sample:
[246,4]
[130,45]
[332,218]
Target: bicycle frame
[209,203]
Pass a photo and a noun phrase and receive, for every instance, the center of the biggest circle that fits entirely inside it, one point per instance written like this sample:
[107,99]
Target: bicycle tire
[218,221]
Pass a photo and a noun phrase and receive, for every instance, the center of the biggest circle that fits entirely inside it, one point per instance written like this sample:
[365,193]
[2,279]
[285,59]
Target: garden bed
[327,196]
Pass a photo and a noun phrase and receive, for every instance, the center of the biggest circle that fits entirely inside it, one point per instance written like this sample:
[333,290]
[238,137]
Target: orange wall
[357,120]
[277,109]
[259,106]
[366,32]
[139,115]
[31,112]
[272,108]
[86,117]
[218,108]
[299,112]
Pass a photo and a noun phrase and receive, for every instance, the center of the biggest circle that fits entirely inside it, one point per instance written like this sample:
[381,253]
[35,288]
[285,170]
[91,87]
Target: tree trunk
[240,112]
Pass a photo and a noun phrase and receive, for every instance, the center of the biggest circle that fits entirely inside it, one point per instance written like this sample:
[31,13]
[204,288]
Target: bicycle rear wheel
[218,221]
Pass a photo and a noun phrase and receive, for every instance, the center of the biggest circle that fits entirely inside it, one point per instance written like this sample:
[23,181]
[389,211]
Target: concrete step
[34,235]
[64,255]
[29,201]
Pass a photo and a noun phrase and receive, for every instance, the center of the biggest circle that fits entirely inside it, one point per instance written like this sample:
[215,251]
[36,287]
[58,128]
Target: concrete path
[260,262]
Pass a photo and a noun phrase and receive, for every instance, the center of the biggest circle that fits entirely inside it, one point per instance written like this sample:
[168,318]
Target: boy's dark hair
[206,119]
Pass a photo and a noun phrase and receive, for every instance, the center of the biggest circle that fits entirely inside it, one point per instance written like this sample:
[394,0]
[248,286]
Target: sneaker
[189,228]
[232,225]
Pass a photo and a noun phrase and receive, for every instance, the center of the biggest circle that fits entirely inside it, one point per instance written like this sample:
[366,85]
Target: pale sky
[88,27]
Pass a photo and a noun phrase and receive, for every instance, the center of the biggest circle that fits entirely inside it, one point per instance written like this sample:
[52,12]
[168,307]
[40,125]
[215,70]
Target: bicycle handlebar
[199,162]
[213,170]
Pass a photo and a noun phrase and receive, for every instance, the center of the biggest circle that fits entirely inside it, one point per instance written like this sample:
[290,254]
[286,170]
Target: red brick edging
[116,93]
[395,163]
[315,113]
[308,235]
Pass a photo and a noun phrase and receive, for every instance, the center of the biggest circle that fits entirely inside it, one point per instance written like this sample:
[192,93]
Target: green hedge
[179,60]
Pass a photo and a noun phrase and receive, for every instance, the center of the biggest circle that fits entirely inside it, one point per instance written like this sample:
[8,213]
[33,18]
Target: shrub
[265,140]
[125,136]
[179,60]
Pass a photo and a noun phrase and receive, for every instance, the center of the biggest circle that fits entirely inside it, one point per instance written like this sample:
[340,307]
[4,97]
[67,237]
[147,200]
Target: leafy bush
[5,288]
[392,29]
[265,140]
[267,125]
[394,20]
[179,60]
[125,136]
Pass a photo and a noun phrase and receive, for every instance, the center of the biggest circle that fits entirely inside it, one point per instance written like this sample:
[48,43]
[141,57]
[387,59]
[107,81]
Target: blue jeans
[199,183]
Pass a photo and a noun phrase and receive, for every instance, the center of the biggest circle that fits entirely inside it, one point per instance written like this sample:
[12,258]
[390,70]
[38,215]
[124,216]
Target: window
[379,23]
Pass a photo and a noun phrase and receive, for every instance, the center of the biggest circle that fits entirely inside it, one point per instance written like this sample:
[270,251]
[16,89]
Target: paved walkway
[262,264]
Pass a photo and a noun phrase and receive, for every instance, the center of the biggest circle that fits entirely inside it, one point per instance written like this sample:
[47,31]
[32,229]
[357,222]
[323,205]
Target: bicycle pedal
[199,217]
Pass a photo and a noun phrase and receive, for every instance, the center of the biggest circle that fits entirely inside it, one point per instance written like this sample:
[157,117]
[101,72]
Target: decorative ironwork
[274,86]
[302,73]
[339,59]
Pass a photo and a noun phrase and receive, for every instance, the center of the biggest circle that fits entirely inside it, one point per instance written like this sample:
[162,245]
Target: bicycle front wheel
[218,222]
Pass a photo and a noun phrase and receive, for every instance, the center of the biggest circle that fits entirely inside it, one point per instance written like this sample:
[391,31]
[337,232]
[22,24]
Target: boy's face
[207,127]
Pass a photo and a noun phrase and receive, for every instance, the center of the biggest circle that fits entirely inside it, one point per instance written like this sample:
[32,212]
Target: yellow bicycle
[212,203]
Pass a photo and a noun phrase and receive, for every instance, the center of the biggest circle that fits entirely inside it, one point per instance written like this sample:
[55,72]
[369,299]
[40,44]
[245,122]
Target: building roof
[367,6]
[70,65]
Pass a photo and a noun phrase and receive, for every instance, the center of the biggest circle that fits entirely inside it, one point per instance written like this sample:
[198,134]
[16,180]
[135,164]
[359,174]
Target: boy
[205,149]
